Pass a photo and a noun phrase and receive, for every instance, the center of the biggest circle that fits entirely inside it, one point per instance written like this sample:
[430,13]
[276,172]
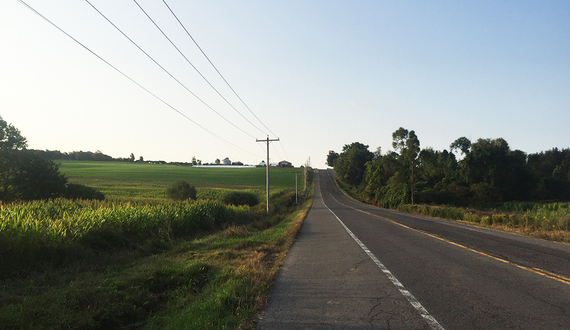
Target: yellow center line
[538,271]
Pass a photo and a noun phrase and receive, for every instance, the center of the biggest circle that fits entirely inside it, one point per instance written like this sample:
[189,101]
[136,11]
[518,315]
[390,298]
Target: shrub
[240,198]
[471,217]
[181,191]
[79,191]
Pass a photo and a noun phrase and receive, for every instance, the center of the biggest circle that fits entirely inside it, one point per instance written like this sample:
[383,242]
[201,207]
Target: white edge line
[431,321]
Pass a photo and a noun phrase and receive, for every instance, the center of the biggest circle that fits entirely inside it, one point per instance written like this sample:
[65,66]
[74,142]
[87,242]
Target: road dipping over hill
[318,289]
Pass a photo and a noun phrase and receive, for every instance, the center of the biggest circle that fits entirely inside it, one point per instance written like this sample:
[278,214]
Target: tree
[495,174]
[27,176]
[436,175]
[408,145]
[551,172]
[462,143]
[351,163]
[10,137]
[378,153]
[141,159]
[132,157]
[382,185]
[331,157]
[24,174]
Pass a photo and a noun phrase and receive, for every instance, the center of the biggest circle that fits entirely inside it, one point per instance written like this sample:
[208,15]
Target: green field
[123,180]
[140,261]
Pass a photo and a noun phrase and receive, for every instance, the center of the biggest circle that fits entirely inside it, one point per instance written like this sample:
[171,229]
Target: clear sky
[318,74]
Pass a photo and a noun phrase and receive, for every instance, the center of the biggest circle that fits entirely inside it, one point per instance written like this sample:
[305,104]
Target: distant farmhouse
[284,163]
[225,163]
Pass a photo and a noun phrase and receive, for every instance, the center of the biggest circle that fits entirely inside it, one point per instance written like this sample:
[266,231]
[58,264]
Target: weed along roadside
[549,221]
[153,264]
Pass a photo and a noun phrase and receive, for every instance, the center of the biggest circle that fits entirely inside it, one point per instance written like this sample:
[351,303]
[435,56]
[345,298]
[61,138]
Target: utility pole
[307,164]
[296,190]
[267,168]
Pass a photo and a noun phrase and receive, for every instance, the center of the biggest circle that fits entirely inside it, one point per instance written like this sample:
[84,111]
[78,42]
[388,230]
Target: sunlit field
[140,260]
[123,180]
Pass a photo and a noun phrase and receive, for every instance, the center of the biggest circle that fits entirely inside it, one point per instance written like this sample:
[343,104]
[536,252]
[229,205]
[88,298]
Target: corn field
[43,231]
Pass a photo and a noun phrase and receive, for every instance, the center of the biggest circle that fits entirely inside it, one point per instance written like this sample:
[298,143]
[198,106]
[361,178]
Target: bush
[181,191]
[27,176]
[78,191]
[240,198]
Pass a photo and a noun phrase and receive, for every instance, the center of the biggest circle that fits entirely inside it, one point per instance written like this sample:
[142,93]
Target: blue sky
[319,75]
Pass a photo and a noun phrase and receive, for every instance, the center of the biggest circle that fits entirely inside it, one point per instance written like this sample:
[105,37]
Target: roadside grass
[249,262]
[143,262]
[549,220]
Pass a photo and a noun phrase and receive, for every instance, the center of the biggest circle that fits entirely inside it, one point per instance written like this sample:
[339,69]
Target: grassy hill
[120,180]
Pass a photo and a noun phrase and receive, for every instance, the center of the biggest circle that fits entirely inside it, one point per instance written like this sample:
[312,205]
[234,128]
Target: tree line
[26,175]
[83,156]
[488,174]
[99,156]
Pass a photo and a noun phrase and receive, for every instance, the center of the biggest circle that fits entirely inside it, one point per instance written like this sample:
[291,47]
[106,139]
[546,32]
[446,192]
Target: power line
[220,74]
[196,69]
[129,78]
[206,56]
[160,66]
[281,144]
[278,154]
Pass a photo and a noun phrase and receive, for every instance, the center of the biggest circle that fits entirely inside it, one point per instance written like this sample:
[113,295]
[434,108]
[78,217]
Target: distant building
[227,161]
[262,164]
[284,163]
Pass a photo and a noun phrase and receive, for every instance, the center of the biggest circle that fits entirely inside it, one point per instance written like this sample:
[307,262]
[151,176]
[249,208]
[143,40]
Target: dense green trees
[552,174]
[331,157]
[408,145]
[25,175]
[385,181]
[488,174]
[10,137]
[351,163]
[494,173]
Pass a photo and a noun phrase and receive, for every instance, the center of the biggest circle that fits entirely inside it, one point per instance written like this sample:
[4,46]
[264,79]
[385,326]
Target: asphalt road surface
[355,266]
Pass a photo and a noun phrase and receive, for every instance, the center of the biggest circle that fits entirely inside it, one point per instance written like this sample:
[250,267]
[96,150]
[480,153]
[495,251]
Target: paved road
[355,266]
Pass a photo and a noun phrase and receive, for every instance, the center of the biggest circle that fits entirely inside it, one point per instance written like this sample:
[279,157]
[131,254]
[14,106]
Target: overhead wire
[215,68]
[219,73]
[129,78]
[281,144]
[194,67]
[167,72]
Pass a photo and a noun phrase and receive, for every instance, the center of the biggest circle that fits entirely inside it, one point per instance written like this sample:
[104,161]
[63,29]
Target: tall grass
[532,216]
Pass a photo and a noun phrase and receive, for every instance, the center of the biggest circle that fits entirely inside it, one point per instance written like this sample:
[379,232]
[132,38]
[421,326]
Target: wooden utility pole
[296,190]
[267,168]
